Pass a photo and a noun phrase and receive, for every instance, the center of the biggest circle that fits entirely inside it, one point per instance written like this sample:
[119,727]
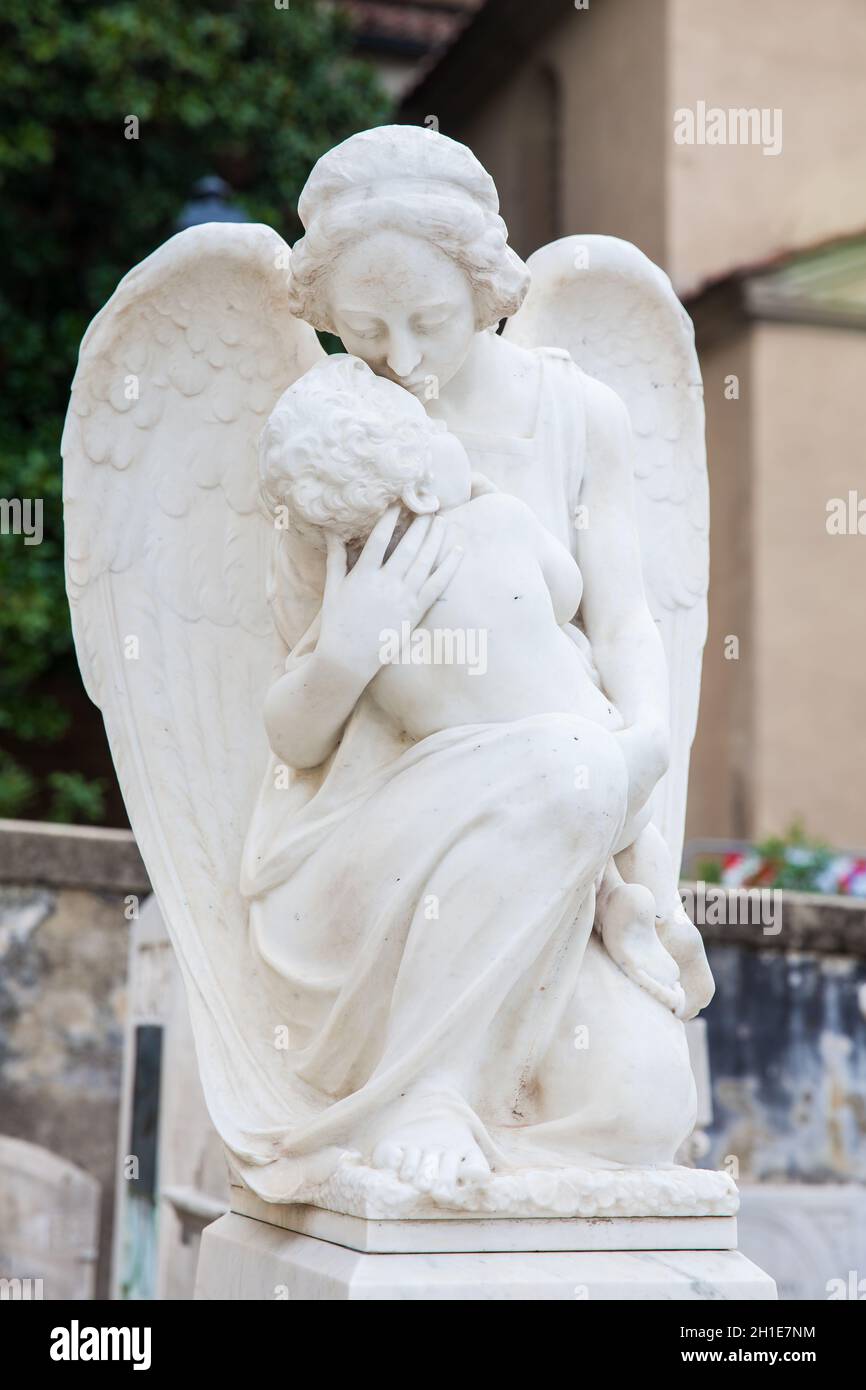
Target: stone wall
[63,966]
[787,1057]
[787,1042]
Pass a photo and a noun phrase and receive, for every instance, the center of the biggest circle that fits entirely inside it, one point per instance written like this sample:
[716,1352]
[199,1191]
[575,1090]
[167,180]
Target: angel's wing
[617,315]
[167,555]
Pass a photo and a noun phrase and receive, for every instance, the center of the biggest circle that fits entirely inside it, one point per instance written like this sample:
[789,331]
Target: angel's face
[405,308]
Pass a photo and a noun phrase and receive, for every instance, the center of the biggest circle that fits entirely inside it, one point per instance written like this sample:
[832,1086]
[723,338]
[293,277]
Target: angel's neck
[466,384]
[494,392]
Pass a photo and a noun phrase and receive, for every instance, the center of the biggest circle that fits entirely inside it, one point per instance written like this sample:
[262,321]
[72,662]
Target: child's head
[341,445]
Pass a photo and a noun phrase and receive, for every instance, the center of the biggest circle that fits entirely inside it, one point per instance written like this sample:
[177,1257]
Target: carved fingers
[441,577]
[379,539]
[336,563]
[428,552]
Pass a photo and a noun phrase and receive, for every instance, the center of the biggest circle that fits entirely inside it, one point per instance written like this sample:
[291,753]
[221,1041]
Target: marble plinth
[672,1190]
[449,1233]
[243,1259]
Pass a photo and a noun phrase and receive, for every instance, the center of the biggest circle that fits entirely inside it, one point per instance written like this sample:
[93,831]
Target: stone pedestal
[304,1252]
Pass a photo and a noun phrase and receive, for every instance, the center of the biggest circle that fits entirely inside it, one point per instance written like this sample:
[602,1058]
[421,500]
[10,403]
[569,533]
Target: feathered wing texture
[167,557]
[617,315]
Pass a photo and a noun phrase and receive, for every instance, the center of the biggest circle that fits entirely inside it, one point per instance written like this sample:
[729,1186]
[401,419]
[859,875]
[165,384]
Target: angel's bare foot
[684,942]
[628,930]
[434,1151]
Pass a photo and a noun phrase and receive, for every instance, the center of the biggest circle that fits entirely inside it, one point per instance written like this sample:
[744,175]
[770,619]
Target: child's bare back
[494,647]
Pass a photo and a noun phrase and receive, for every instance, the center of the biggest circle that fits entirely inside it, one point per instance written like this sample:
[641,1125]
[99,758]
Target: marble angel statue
[426,912]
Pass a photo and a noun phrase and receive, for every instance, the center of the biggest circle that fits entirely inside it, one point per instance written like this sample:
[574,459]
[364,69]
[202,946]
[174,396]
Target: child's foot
[684,942]
[628,930]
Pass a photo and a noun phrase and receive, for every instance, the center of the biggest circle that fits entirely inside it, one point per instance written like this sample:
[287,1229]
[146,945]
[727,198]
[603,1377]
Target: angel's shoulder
[527,361]
[606,413]
[517,363]
[597,399]
[597,408]
[555,354]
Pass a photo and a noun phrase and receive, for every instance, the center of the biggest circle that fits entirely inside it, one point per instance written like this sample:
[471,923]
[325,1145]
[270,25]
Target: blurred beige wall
[605,154]
[720,798]
[610,80]
[611,61]
[782,732]
[732,205]
[809,586]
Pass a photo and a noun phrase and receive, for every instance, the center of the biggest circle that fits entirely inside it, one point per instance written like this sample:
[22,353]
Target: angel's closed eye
[362,327]
[431,325]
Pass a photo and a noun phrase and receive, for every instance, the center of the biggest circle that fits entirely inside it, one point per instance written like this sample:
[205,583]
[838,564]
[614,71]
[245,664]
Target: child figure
[345,453]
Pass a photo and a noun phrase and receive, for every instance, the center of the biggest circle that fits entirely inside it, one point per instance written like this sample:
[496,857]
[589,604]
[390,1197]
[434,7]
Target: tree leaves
[242,89]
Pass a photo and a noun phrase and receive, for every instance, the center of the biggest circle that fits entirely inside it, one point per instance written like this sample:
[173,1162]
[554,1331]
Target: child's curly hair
[340,447]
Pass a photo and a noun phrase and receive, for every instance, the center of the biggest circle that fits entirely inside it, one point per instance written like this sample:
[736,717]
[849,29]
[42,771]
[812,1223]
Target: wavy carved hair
[339,448]
[412,180]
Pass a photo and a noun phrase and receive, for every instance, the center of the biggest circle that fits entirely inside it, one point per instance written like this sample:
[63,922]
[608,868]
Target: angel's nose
[403,355]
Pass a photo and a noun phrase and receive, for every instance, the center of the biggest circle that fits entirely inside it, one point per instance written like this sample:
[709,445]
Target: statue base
[666,1190]
[270,1252]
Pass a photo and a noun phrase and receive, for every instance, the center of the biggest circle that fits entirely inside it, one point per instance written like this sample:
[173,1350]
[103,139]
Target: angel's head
[342,445]
[405,255]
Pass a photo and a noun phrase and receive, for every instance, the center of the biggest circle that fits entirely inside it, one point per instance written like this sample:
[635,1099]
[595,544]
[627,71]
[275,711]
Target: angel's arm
[626,645]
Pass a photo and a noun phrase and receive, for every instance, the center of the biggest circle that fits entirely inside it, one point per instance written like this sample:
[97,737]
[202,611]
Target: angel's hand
[363,606]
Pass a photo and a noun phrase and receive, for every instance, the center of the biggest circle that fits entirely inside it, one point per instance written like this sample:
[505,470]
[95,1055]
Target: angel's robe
[427,908]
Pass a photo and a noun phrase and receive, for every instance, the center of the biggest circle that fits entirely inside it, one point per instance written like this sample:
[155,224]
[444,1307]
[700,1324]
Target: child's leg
[647,861]
[626,917]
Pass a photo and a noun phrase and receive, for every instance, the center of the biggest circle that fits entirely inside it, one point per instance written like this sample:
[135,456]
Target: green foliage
[797,862]
[239,88]
[74,797]
[710,871]
[16,786]
[70,796]
[792,861]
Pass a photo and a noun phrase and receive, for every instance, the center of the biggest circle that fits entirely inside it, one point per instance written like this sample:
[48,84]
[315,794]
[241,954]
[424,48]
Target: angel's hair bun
[413,180]
[340,447]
